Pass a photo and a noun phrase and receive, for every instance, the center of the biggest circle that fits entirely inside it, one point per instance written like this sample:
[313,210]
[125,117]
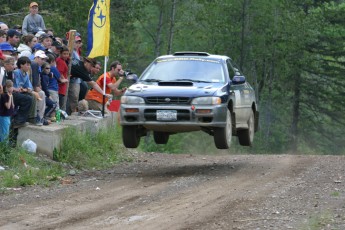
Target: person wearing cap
[18,28]
[75,82]
[46,41]
[53,86]
[2,57]
[13,37]
[77,48]
[38,33]
[82,70]
[33,21]
[36,69]
[56,48]
[6,48]
[28,42]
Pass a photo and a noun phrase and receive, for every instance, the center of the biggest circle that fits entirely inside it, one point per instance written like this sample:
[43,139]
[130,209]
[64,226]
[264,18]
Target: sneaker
[38,121]
[46,122]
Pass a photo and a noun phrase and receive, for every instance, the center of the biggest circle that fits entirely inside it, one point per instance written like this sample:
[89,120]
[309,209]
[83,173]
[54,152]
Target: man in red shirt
[95,99]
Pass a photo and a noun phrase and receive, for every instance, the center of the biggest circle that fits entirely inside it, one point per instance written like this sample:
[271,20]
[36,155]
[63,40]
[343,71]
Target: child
[54,80]
[62,66]
[6,111]
[51,106]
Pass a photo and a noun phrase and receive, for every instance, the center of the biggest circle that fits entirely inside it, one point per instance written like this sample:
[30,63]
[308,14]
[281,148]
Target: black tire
[130,137]
[222,136]
[161,137]
[246,136]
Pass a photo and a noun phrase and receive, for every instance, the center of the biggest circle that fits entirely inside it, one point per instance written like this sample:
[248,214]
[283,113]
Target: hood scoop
[175,83]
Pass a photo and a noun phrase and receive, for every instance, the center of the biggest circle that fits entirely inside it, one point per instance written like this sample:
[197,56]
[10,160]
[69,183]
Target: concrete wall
[49,137]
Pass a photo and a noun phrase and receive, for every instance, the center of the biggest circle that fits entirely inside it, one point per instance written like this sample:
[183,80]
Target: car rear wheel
[130,137]
[246,136]
[161,137]
[222,136]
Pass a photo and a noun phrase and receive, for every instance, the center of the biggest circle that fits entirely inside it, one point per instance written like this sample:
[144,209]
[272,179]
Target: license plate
[166,115]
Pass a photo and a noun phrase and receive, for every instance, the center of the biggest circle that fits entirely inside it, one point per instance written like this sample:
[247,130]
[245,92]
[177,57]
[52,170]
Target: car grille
[167,100]
[182,115]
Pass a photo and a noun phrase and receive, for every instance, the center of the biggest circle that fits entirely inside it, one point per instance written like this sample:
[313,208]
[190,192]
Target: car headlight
[132,100]
[206,101]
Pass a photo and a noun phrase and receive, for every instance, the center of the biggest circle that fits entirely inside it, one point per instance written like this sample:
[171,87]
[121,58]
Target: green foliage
[321,221]
[24,169]
[291,51]
[194,142]
[89,150]
[78,150]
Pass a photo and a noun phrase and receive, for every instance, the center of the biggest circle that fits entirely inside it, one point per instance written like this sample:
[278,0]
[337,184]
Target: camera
[129,76]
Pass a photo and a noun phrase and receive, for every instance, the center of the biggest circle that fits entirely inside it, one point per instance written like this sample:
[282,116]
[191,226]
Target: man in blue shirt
[22,89]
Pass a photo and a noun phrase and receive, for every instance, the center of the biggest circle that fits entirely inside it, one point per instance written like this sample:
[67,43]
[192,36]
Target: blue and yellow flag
[98,29]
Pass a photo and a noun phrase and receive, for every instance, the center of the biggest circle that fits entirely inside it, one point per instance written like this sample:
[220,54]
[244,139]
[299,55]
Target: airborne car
[190,91]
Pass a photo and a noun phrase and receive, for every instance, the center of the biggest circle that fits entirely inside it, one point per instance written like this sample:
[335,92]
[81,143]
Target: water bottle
[58,115]
[110,99]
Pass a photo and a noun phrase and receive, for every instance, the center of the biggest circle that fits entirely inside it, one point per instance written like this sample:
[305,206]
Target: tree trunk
[295,112]
[159,32]
[243,28]
[172,23]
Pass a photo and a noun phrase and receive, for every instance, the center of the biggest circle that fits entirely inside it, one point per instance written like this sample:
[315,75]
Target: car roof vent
[191,53]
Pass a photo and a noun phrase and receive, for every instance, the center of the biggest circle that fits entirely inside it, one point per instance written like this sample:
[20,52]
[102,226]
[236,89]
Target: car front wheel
[130,136]
[246,136]
[222,136]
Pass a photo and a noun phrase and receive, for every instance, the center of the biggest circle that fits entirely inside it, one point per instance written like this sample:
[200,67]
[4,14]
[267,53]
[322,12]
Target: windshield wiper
[186,79]
[152,80]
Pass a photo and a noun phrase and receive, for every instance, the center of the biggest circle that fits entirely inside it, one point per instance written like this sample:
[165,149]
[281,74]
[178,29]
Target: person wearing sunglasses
[95,98]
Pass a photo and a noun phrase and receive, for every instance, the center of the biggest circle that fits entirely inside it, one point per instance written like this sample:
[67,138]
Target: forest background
[291,51]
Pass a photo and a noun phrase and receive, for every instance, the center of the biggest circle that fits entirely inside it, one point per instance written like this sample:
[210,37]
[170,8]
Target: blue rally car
[190,91]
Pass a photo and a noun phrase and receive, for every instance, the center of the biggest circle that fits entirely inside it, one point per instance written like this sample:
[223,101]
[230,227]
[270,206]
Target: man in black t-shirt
[82,70]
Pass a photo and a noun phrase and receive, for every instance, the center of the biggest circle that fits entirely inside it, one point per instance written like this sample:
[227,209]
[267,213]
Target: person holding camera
[95,99]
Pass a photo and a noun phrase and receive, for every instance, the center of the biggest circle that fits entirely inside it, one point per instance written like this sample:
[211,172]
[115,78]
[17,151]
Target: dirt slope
[160,191]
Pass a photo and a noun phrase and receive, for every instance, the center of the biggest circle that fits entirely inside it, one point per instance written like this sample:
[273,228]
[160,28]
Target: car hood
[155,90]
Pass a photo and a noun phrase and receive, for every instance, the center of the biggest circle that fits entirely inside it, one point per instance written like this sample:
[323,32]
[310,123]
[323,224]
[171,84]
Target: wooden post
[71,39]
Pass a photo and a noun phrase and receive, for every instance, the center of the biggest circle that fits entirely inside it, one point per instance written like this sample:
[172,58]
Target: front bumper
[189,118]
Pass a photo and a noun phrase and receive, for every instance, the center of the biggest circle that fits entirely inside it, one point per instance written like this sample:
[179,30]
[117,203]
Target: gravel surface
[162,191]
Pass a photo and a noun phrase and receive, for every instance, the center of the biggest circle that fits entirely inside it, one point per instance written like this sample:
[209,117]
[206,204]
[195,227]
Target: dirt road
[160,191]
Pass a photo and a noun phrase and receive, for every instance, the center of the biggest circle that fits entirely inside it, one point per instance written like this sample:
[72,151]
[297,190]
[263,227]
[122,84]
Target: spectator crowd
[37,71]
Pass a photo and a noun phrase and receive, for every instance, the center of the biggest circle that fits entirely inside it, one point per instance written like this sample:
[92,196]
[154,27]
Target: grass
[320,221]
[79,151]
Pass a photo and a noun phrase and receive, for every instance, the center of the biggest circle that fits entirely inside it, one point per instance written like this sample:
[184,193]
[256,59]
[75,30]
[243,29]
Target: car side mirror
[237,80]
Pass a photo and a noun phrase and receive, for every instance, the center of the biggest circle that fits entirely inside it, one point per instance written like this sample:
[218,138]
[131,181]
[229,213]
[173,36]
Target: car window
[188,69]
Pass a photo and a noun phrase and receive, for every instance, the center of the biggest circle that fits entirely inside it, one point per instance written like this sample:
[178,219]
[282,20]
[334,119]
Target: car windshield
[184,69]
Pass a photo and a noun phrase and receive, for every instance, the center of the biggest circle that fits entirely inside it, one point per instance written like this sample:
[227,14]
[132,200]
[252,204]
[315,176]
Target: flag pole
[106,58]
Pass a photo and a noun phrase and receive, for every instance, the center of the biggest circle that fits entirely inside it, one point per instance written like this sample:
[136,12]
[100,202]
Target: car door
[241,93]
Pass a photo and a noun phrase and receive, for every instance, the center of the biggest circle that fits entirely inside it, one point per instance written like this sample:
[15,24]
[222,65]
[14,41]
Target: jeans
[73,96]
[84,87]
[5,122]
[23,101]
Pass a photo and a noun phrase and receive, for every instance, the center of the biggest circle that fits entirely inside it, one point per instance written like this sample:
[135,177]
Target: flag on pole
[98,29]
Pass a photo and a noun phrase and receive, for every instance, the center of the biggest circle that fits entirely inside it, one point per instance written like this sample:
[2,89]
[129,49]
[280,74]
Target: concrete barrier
[49,137]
